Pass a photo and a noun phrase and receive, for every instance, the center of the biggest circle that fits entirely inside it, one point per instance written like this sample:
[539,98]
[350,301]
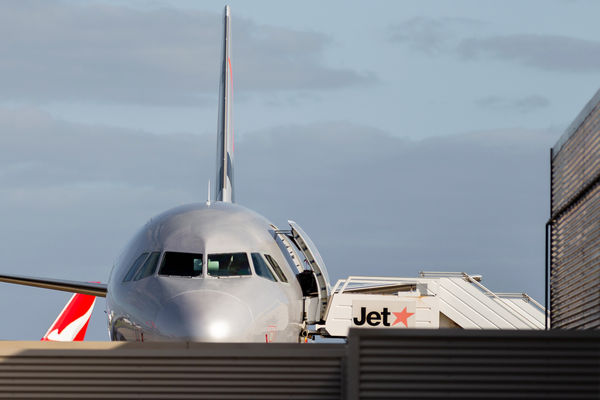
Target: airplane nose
[206,316]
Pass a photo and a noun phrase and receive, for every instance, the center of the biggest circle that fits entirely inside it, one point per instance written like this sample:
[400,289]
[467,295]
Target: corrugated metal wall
[375,364]
[577,162]
[170,370]
[575,226]
[464,364]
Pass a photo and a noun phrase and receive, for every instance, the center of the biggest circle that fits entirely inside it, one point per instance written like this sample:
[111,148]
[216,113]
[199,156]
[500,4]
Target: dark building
[574,226]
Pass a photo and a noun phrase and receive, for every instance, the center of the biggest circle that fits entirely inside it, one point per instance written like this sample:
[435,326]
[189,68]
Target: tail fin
[71,324]
[225,146]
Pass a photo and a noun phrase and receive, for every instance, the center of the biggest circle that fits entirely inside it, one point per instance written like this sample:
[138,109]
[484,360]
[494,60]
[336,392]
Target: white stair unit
[442,300]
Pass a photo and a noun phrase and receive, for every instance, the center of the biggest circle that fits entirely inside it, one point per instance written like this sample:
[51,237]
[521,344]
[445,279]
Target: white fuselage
[204,305]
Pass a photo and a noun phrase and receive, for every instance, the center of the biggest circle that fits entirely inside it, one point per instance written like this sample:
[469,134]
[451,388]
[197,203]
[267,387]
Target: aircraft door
[316,264]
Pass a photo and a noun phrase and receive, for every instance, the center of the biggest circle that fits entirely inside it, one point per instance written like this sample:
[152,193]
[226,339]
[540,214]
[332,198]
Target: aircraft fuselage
[197,272]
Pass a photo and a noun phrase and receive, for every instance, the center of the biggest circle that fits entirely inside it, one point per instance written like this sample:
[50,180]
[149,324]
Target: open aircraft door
[315,310]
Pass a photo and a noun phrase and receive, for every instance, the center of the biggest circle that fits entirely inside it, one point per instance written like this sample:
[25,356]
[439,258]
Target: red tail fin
[73,320]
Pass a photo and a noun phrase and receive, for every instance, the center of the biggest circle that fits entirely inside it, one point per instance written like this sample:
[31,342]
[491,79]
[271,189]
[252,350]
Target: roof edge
[580,119]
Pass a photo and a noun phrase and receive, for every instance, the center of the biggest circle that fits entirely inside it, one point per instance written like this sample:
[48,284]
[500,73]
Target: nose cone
[205,316]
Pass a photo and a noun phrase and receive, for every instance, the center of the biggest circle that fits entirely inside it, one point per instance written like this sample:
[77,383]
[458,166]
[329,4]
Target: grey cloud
[71,196]
[546,52]
[378,204]
[459,36]
[37,149]
[523,105]
[490,101]
[430,35]
[101,53]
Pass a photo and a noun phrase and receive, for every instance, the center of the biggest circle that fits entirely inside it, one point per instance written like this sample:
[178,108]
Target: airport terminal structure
[574,225]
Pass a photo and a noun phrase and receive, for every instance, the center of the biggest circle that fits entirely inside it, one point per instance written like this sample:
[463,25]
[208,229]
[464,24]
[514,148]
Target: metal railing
[363,282]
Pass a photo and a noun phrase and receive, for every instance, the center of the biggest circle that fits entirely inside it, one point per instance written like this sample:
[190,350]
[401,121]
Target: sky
[403,136]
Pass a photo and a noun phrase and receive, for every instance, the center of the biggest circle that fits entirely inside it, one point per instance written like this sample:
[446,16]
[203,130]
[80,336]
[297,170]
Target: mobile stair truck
[432,300]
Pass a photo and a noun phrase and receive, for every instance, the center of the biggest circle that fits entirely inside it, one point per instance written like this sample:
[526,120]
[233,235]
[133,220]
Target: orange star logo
[402,317]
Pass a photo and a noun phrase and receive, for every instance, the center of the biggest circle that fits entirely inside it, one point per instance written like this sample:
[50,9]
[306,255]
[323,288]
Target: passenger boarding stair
[433,300]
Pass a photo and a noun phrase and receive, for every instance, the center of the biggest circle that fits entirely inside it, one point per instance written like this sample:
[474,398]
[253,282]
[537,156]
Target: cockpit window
[261,268]
[228,264]
[181,264]
[149,266]
[134,267]
[276,268]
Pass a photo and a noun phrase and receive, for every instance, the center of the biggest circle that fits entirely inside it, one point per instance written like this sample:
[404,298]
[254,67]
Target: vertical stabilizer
[224,187]
[71,324]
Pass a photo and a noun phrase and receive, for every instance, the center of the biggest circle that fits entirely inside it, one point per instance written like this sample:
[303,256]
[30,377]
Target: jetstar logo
[391,314]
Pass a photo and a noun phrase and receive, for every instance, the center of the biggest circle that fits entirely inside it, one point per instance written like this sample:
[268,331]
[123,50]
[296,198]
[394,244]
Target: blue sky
[403,136]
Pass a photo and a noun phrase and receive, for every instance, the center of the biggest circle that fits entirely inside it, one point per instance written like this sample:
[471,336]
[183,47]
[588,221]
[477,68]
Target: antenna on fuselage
[225,147]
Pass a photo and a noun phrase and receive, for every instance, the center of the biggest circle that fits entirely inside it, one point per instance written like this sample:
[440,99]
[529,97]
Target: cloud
[380,205]
[72,195]
[430,35]
[59,51]
[38,150]
[522,105]
[545,52]
[463,38]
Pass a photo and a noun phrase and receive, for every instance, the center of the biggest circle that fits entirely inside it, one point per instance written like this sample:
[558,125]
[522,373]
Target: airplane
[213,271]
[72,322]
